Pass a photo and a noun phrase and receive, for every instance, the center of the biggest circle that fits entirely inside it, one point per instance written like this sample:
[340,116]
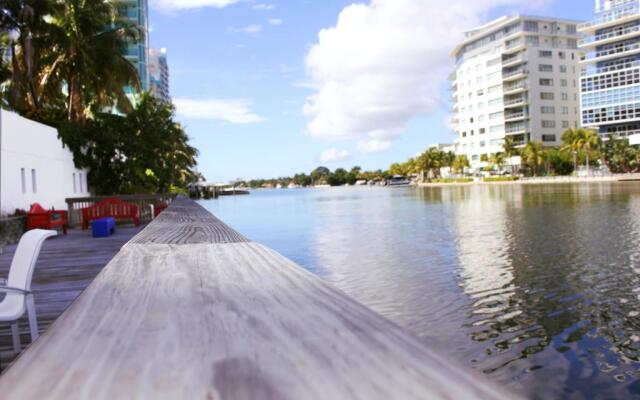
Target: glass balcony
[612,51]
[609,35]
[610,68]
[618,13]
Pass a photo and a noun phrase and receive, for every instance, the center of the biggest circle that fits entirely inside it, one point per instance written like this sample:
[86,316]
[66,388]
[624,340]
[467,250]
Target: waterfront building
[137,52]
[610,85]
[515,77]
[35,166]
[159,74]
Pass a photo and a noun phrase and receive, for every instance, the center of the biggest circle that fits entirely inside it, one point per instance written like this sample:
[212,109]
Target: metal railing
[608,52]
[515,101]
[143,201]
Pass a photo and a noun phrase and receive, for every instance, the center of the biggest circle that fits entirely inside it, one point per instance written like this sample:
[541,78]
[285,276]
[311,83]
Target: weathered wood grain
[186,222]
[226,321]
[66,266]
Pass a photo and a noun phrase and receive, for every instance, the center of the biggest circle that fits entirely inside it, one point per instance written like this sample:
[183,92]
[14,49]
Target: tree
[319,174]
[396,169]
[621,157]
[142,152]
[497,160]
[510,150]
[87,57]
[460,163]
[533,156]
[579,140]
[559,162]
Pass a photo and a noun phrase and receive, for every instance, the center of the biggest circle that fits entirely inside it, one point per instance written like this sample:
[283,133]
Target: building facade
[137,53]
[159,74]
[610,85]
[515,77]
[35,166]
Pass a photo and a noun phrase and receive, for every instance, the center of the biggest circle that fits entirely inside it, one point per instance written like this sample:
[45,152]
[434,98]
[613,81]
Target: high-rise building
[159,74]
[610,85]
[516,76]
[137,53]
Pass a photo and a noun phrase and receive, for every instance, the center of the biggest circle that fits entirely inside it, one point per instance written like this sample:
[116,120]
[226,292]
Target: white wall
[33,149]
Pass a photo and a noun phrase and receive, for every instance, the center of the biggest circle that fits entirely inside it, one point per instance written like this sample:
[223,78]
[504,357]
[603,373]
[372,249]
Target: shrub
[501,179]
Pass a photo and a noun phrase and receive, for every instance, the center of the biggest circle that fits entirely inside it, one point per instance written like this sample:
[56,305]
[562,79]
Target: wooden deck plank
[226,321]
[66,266]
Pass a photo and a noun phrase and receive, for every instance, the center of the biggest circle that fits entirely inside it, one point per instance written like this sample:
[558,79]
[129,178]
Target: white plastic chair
[19,298]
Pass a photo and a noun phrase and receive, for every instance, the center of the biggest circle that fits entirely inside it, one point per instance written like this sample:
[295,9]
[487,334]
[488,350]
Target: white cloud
[264,7]
[177,5]
[334,155]
[386,62]
[373,146]
[276,21]
[233,111]
[251,29]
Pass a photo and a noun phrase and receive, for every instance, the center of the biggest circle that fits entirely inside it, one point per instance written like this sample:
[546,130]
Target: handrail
[190,309]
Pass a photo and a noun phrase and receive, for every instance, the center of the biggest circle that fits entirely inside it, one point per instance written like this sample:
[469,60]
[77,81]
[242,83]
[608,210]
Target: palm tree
[90,39]
[510,150]
[497,159]
[460,163]
[579,139]
[533,156]
[25,33]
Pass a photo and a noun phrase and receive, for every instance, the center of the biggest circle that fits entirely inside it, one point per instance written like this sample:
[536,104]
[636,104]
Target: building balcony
[518,87]
[514,75]
[619,15]
[514,60]
[515,129]
[612,53]
[517,116]
[514,46]
[609,37]
[603,70]
[515,102]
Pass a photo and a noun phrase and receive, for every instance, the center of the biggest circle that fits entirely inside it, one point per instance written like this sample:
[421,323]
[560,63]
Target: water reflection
[537,286]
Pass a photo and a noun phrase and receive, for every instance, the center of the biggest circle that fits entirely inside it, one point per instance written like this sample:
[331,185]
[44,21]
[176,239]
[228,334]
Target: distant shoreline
[545,180]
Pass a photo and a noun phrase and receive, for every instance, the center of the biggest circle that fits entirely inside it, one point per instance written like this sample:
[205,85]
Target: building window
[565,124]
[81,182]
[496,115]
[562,55]
[483,143]
[545,68]
[563,82]
[23,180]
[480,92]
[34,185]
[565,97]
[545,54]
[546,82]
[563,69]
[482,131]
[565,110]
[75,187]
[548,124]
[464,134]
[548,110]
[548,138]
[547,96]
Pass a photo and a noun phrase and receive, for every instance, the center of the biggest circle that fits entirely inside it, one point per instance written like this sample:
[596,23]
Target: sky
[270,88]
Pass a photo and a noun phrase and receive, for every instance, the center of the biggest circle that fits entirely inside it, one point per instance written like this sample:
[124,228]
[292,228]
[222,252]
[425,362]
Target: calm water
[536,286]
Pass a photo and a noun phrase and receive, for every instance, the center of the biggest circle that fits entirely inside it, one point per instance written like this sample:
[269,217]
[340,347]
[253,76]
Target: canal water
[537,286]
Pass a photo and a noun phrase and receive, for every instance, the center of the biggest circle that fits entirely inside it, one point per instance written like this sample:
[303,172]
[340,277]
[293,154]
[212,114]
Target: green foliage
[559,162]
[501,179]
[453,180]
[142,152]
[533,156]
[460,163]
[620,156]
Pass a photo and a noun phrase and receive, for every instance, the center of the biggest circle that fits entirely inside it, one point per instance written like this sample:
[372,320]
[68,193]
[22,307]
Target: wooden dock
[67,265]
[190,309]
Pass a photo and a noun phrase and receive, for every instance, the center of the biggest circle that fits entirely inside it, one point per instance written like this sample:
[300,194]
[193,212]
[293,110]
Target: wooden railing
[143,201]
[190,309]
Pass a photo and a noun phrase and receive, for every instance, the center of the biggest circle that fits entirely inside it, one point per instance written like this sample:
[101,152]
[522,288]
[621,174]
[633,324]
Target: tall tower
[159,74]
[610,95]
[137,53]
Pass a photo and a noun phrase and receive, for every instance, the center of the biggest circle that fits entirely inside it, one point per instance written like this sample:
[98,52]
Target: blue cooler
[103,227]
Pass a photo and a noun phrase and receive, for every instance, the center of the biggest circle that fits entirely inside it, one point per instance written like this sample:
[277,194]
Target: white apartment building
[35,166]
[516,76]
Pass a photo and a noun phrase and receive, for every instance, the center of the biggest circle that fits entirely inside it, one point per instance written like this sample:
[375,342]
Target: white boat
[398,180]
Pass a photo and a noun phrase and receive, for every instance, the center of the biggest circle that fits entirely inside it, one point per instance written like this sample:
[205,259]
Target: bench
[115,208]
[39,218]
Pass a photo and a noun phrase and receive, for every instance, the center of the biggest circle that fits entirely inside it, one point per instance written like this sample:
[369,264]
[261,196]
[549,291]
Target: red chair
[39,218]
[115,208]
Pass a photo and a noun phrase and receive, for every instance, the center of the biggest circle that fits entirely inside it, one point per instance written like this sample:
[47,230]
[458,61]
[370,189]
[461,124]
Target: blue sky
[261,95]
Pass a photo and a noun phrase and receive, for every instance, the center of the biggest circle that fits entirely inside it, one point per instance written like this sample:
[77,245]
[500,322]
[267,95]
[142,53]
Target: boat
[398,180]
[233,191]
